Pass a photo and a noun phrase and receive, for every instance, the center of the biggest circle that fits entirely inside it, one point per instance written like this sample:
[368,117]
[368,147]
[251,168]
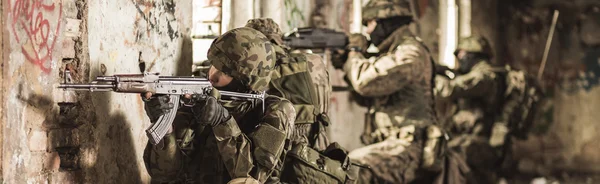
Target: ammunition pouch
[304,164]
[434,148]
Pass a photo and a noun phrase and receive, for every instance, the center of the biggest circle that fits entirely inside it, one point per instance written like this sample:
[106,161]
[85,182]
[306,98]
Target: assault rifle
[173,86]
[315,38]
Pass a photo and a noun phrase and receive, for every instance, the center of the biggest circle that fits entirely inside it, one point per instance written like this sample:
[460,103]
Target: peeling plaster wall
[566,139]
[153,32]
[93,138]
[31,54]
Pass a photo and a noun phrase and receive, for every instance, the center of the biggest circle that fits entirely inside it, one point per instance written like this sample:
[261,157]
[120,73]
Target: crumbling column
[236,13]
[448,37]
[464,18]
[356,16]
[272,9]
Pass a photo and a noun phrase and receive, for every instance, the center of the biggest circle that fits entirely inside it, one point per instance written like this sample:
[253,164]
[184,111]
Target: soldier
[403,140]
[478,91]
[226,140]
[311,98]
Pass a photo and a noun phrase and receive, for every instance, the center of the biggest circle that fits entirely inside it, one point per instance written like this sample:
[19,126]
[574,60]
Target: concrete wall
[92,138]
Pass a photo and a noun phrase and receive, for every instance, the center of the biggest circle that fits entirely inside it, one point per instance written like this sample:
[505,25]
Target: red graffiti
[28,16]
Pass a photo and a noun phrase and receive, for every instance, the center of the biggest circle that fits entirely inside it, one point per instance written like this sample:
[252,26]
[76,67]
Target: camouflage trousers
[389,161]
[483,160]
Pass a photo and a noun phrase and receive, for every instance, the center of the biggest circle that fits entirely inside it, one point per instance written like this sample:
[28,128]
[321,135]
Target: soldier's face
[461,54]
[371,26]
[218,78]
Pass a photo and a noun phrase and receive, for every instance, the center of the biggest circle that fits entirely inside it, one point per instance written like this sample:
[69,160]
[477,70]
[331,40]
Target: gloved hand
[209,112]
[358,42]
[441,69]
[156,106]
[338,58]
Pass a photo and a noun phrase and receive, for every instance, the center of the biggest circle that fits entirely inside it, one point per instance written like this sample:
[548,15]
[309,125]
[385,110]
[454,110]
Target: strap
[298,64]
[316,129]
[366,137]
[317,161]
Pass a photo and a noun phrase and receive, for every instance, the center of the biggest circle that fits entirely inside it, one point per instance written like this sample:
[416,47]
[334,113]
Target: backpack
[306,165]
[523,99]
[303,80]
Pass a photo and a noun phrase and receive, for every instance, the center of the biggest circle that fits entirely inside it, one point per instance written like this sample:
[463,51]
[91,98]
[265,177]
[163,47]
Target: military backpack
[305,83]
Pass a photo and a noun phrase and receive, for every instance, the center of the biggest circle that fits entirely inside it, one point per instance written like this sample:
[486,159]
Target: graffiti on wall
[35,25]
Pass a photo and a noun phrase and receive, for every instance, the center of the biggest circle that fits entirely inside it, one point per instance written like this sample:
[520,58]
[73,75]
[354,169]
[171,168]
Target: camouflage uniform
[247,146]
[306,122]
[401,132]
[478,96]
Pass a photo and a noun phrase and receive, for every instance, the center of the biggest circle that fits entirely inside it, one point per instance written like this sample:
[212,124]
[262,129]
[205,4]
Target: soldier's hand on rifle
[156,105]
[338,57]
[209,111]
[357,42]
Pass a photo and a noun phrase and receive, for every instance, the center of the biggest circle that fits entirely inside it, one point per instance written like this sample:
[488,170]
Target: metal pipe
[548,43]
[356,16]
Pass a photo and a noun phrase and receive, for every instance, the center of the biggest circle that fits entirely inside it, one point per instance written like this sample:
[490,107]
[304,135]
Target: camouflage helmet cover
[474,43]
[268,27]
[246,55]
[381,9]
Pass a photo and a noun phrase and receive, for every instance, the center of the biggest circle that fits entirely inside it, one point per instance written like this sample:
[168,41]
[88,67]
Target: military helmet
[246,55]
[268,27]
[382,9]
[475,43]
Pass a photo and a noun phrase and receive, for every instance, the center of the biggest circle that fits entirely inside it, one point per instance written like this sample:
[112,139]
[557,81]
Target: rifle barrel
[241,95]
[88,87]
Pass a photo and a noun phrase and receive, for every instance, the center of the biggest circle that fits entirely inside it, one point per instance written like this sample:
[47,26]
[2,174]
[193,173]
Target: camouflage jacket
[478,94]
[399,82]
[227,151]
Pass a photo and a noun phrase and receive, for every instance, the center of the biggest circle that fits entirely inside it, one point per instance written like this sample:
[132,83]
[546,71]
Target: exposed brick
[69,158]
[34,117]
[68,48]
[68,114]
[72,27]
[64,96]
[66,177]
[63,137]
[35,163]
[52,162]
[43,161]
[38,140]
[38,178]
[70,8]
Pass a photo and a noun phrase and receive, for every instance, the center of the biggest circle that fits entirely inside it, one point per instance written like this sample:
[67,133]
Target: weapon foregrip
[159,129]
